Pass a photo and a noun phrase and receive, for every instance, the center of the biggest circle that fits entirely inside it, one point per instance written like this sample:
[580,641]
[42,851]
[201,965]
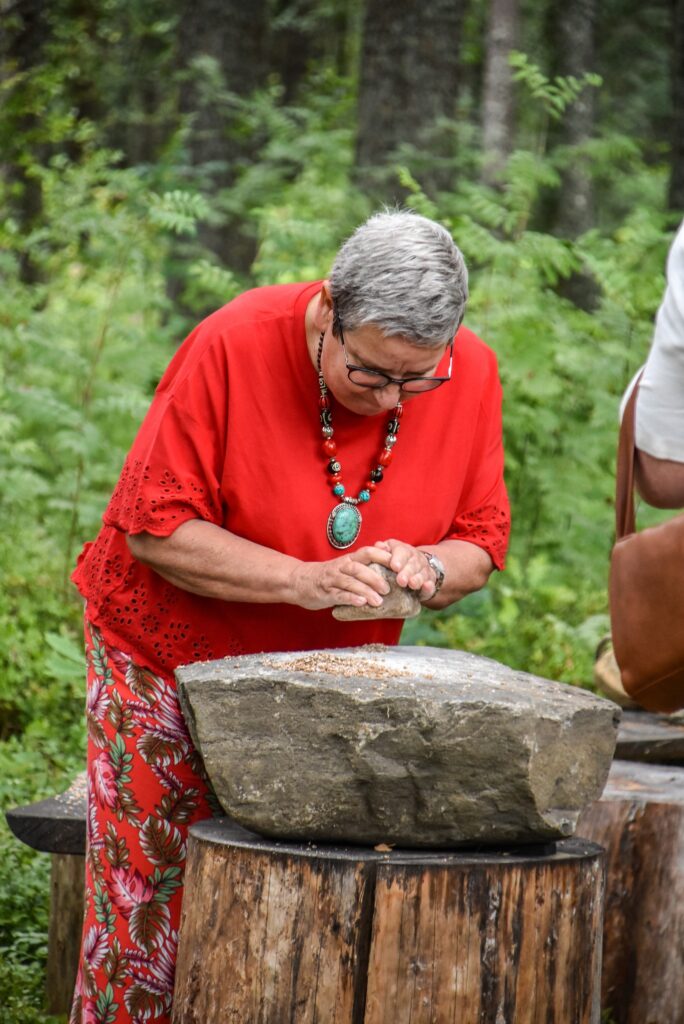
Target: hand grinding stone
[407,745]
[400,603]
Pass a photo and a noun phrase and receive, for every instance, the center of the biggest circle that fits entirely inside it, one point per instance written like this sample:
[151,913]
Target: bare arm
[205,559]
[660,482]
[468,568]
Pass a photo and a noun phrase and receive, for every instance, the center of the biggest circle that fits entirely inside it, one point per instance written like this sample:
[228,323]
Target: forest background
[159,156]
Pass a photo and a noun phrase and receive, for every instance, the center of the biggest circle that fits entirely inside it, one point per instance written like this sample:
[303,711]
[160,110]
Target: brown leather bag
[646,592]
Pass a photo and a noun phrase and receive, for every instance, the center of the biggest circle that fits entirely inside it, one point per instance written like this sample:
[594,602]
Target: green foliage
[553,95]
[178,211]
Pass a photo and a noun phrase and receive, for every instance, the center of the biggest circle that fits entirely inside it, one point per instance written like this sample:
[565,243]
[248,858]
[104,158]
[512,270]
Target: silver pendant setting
[344,525]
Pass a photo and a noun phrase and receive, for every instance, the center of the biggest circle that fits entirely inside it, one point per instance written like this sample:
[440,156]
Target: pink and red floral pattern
[146,786]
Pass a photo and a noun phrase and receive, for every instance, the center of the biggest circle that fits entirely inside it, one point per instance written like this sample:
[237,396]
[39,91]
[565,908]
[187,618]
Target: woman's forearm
[467,568]
[207,560]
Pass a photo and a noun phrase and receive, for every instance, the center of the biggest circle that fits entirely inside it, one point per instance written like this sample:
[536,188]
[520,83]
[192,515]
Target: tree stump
[274,932]
[640,822]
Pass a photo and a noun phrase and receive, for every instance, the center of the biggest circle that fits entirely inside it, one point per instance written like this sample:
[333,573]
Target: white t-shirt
[660,404]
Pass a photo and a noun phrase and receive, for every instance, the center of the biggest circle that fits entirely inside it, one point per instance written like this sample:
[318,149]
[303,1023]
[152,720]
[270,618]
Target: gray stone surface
[400,603]
[410,746]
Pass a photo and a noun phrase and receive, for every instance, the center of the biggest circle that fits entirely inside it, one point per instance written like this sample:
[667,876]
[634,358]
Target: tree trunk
[676,189]
[233,34]
[575,56]
[498,100]
[408,82]
[275,932]
[22,49]
[640,822]
[573,206]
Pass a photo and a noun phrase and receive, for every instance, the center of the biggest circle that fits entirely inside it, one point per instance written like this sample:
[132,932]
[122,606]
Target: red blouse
[233,437]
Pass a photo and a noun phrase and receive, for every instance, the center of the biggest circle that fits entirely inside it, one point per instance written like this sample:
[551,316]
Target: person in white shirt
[659,433]
[659,469]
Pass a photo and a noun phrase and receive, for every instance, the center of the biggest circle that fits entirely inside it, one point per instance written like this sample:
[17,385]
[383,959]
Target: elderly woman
[299,434]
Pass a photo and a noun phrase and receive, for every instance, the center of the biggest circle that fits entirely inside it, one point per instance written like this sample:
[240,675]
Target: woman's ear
[324,309]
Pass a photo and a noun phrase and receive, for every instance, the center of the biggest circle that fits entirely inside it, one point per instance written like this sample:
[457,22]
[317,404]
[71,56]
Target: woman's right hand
[343,580]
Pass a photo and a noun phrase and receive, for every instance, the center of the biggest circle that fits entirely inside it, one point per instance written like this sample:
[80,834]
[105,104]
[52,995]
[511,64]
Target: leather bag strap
[624,478]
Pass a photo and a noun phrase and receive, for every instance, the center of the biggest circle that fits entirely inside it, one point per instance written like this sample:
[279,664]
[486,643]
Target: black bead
[376,474]
[393,427]
[334,466]
[326,417]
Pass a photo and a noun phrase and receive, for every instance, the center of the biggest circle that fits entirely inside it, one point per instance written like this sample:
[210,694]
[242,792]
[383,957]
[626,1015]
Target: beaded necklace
[344,522]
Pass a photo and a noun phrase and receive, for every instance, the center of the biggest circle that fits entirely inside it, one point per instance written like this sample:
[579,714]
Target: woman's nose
[389,396]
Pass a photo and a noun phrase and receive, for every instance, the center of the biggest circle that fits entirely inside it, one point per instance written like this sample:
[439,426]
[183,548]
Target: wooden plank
[656,739]
[640,822]
[55,825]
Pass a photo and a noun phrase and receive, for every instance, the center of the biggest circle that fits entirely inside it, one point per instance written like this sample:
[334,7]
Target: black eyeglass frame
[435,382]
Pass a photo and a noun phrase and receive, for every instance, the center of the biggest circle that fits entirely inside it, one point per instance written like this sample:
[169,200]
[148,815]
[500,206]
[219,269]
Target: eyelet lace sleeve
[487,526]
[156,499]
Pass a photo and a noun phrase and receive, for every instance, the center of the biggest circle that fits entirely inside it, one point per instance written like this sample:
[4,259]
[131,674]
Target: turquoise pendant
[344,525]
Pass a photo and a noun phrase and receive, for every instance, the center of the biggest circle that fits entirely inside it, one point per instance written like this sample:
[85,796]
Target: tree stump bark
[640,822]
[274,932]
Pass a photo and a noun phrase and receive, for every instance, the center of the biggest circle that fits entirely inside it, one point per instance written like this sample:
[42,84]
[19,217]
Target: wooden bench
[654,739]
[58,826]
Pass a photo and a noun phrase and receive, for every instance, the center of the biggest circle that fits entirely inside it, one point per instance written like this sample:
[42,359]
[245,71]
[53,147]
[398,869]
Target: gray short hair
[402,273]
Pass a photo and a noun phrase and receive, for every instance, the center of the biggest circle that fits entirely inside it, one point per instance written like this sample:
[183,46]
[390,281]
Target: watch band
[437,567]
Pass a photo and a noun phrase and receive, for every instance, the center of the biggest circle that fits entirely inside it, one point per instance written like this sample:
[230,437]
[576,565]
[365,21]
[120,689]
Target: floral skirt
[146,785]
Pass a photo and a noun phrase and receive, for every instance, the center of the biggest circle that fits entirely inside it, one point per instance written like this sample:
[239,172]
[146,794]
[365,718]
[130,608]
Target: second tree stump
[640,821]
[274,932]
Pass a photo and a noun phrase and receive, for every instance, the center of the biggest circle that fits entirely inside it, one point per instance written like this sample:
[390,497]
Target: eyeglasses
[367,378]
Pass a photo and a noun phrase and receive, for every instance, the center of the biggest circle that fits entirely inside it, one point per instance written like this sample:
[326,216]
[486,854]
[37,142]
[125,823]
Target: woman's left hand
[411,566]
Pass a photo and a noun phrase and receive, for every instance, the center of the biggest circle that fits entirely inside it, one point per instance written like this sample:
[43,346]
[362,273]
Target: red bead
[335,478]
[329,447]
[399,411]
[386,457]
[370,485]
[324,402]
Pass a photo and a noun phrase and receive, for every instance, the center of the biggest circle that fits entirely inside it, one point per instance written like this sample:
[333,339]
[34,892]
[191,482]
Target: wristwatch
[437,567]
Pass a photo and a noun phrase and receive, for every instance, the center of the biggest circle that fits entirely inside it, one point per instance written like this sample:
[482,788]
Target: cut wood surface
[656,739]
[640,821]
[274,932]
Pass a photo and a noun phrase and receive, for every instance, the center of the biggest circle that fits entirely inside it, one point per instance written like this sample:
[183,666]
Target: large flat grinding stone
[410,745]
